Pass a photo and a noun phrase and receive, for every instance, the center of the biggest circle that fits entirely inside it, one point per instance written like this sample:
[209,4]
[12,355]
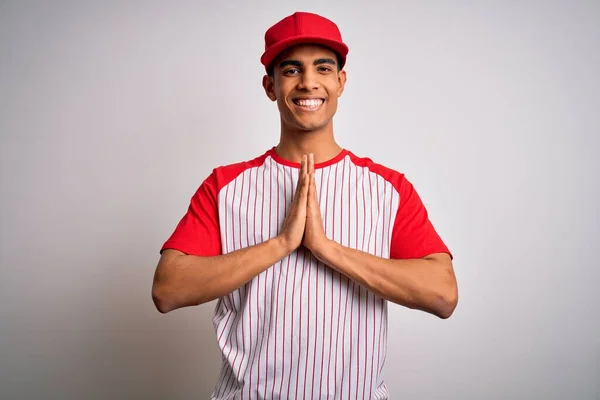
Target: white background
[112,113]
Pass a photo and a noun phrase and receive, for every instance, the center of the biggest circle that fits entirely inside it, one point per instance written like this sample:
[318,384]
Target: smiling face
[306,84]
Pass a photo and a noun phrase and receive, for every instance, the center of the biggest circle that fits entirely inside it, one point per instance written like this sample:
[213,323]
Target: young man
[304,245]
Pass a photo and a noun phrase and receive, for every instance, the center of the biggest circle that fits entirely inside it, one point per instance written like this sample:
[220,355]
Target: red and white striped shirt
[300,330]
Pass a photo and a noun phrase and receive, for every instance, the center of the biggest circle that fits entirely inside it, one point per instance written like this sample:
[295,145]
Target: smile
[309,104]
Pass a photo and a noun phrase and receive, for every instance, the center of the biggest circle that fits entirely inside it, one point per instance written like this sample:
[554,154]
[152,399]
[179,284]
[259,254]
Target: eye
[324,68]
[291,71]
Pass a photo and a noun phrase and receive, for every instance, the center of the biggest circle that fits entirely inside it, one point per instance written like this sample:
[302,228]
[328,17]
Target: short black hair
[271,67]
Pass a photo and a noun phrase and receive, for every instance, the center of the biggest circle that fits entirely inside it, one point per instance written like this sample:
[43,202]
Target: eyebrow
[297,63]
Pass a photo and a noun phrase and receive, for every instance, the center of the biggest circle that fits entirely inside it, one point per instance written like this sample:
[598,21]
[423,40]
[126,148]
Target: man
[304,245]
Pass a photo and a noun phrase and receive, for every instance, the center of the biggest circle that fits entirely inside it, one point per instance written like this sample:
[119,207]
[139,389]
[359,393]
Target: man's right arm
[183,280]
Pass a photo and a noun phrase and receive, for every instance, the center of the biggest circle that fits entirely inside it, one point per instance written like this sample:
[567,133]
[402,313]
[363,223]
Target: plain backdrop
[112,113]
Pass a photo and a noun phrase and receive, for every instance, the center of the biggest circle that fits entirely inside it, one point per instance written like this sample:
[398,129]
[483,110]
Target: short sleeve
[413,234]
[197,233]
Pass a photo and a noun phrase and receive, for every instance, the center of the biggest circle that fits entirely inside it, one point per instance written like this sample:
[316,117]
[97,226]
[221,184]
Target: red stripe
[225,297]
[229,372]
[241,246]
[240,209]
[250,297]
[381,325]
[226,251]
[374,315]
[350,205]
[359,288]
[262,235]
[366,341]
[353,285]
[312,383]
[307,324]
[366,292]
[223,372]
[337,333]
[232,380]
[381,307]
[285,293]
[342,204]
[247,243]
[383,236]
[270,280]
[229,339]
[316,300]
[358,342]
[225,224]
[278,285]
[332,273]
[327,268]
[334,202]
[371,220]
[377,220]
[344,338]
[347,285]
[292,327]
[379,336]
[338,311]
[300,323]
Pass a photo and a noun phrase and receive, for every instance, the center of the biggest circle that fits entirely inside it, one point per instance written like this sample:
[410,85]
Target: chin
[310,126]
[303,124]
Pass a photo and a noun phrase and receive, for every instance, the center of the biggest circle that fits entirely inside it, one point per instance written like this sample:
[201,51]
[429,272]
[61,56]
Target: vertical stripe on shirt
[300,329]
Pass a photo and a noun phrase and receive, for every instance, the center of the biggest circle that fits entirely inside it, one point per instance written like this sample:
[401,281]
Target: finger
[305,185]
[300,178]
[303,166]
[304,190]
[304,170]
[312,191]
[311,163]
[311,186]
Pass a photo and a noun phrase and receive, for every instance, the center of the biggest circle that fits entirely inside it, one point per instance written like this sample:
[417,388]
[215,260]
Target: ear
[269,86]
[341,82]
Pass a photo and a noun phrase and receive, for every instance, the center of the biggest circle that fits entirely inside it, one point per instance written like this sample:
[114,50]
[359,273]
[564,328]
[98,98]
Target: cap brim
[272,53]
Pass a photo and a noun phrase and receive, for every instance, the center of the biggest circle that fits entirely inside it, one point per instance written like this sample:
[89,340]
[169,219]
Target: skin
[427,284]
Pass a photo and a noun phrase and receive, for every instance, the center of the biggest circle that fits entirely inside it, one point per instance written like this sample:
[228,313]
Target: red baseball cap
[303,28]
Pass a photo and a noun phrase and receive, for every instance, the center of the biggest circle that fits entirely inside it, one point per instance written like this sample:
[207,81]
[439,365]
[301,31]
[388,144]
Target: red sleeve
[413,235]
[198,231]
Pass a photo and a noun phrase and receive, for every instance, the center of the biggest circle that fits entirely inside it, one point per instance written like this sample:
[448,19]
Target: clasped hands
[303,224]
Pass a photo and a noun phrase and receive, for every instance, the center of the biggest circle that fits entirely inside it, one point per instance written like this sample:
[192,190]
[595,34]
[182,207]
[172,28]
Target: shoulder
[391,175]
[222,175]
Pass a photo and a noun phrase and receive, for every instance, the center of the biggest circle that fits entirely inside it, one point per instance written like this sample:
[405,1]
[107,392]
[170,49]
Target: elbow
[447,303]
[164,288]
[161,300]
[167,297]
[446,310]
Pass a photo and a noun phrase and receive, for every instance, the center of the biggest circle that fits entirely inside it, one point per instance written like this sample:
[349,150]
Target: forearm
[426,284]
[185,280]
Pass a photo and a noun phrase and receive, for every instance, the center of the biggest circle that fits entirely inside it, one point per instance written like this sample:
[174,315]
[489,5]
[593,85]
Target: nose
[308,80]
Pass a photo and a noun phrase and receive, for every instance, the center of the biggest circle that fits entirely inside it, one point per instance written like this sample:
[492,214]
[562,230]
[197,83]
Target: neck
[293,145]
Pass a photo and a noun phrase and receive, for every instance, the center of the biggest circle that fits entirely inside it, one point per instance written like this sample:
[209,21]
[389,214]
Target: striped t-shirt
[299,329]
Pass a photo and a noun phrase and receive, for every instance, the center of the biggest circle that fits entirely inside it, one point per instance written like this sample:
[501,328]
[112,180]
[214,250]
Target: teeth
[312,103]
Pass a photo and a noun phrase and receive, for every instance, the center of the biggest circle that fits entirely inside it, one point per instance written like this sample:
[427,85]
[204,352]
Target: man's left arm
[426,283]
